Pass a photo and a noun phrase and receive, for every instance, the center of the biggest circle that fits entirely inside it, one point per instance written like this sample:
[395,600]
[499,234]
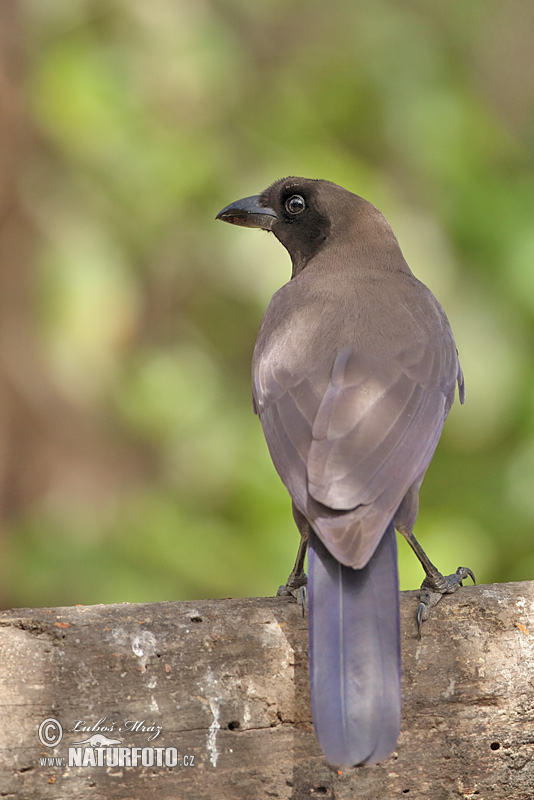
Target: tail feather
[355,667]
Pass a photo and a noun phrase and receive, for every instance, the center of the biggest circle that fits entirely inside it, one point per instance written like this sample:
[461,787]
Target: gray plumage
[354,373]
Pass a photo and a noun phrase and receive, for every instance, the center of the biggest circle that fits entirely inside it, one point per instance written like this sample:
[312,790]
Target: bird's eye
[295,204]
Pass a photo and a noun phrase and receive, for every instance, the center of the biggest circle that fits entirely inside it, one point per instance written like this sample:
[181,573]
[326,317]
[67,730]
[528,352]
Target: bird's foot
[296,587]
[434,587]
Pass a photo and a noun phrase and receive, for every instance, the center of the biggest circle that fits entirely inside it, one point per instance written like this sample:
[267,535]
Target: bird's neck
[366,258]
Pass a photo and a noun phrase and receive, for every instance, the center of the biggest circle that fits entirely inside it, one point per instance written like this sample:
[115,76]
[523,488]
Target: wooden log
[221,687]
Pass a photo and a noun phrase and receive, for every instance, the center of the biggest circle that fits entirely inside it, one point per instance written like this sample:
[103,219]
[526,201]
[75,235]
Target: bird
[354,372]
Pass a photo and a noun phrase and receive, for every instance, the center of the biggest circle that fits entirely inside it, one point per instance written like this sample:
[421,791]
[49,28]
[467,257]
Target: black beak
[248,213]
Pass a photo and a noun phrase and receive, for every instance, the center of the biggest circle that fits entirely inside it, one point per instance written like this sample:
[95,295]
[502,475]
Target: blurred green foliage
[150,118]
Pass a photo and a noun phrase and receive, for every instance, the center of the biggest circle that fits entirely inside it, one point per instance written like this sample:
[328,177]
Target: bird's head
[304,214]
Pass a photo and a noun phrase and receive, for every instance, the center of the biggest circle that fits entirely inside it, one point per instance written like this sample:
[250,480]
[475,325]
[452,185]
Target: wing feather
[348,446]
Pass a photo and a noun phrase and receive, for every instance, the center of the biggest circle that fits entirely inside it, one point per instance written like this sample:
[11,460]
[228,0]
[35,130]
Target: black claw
[465,572]
[420,618]
[303,599]
[297,589]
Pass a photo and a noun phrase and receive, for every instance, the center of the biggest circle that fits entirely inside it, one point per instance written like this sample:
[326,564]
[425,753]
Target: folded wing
[349,444]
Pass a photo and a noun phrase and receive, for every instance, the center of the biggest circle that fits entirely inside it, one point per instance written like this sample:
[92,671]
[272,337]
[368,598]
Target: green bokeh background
[147,119]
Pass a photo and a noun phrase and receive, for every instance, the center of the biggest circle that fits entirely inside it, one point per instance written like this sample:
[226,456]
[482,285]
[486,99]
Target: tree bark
[227,683]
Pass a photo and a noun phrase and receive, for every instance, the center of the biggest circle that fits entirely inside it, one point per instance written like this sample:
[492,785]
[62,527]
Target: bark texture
[227,683]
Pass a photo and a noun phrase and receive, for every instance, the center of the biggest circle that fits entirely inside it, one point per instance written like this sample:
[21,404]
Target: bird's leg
[296,583]
[435,585]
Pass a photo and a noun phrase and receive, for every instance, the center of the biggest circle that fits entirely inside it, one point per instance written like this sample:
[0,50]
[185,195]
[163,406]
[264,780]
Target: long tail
[355,653]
